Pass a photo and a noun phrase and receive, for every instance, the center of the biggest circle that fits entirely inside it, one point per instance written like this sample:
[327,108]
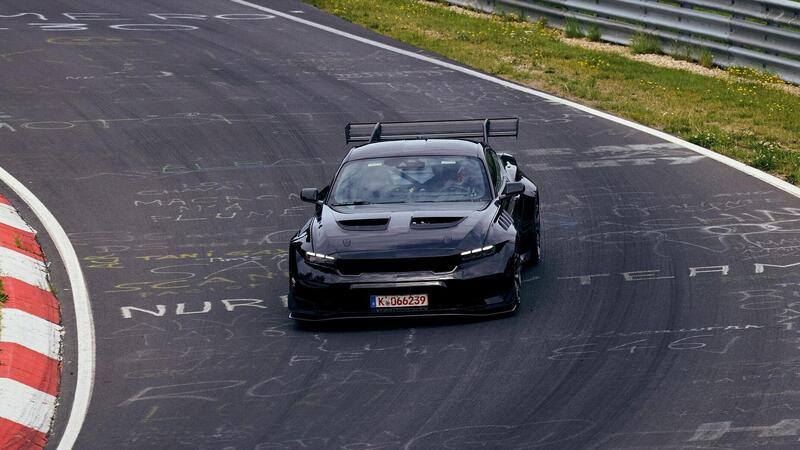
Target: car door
[521,208]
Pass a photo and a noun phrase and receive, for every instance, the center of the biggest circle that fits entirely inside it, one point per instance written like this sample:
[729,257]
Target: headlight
[479,252]
[319,259]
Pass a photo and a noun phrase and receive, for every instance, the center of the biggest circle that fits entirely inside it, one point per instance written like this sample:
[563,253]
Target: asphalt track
[664,315]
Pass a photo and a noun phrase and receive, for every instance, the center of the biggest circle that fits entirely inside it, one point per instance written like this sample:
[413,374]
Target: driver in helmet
[447,176]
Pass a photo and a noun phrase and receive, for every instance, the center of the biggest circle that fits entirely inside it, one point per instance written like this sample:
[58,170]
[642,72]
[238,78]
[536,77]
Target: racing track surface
[659,318]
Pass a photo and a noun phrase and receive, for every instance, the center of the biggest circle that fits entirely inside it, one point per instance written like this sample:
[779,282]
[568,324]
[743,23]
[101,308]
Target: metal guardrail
[755,33]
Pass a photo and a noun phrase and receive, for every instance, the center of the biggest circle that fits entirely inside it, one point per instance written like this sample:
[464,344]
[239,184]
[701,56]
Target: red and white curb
[30,337]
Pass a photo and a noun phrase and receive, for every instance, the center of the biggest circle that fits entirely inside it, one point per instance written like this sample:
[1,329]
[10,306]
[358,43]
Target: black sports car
[418,221]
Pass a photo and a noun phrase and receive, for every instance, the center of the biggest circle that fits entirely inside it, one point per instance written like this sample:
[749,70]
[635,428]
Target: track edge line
[730,162]
[84,321]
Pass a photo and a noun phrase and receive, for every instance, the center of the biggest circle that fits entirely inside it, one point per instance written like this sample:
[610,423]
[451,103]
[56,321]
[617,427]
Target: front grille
[441,264]
[455,294]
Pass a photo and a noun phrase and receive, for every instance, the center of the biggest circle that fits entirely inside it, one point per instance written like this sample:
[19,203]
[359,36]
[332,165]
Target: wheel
[518,282]
[534,255]
[515,292]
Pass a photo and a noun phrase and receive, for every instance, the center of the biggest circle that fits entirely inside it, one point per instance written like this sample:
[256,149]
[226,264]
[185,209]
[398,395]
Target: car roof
[416,147]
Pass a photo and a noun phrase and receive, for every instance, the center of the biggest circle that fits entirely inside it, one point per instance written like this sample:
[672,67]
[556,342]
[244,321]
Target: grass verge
[744,117]
[594,34]
[3,295]
[572,29]
[642,43]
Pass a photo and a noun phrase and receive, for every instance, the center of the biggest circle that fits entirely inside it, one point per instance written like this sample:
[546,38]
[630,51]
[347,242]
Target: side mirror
[310,195]
[512,189]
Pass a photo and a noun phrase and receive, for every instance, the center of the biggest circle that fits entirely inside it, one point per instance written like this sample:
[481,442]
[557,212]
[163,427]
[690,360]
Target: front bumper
[479,288]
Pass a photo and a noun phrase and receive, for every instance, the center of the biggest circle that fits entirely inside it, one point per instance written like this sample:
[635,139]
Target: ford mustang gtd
[418,221]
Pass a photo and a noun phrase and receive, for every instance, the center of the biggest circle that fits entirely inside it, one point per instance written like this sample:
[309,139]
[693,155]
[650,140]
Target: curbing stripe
[23,267]
[9,216]
[30,337]
[31,299]
[37,407]
[20,240]
[12,230]
[84,327]
[763,176]
[14,436]
[21,248]
[27,330]
[40,419]
[29,368]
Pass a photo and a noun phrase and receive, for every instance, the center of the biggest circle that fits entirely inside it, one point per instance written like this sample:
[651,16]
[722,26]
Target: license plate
[398,301]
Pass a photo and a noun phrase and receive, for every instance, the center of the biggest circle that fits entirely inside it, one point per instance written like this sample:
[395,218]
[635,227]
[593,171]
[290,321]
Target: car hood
[407,231]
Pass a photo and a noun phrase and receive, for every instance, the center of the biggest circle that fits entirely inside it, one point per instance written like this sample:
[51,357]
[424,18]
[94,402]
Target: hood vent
[435,222]
[364,224]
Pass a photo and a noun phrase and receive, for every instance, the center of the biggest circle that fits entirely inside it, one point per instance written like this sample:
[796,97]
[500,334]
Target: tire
[534,255]
[516,289]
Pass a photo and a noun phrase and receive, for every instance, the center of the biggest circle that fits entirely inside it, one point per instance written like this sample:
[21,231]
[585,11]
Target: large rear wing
[432,129]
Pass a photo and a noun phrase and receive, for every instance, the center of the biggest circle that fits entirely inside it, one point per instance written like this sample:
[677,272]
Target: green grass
[51,287]
[744,117]
[642,43]
[706,58]
[3,300]
[683,52]
[593,34]
[572,29]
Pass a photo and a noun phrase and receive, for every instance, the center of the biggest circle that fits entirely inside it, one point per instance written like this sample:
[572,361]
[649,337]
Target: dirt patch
[456,8]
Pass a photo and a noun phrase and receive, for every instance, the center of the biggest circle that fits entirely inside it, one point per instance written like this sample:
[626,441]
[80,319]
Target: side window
[494,169]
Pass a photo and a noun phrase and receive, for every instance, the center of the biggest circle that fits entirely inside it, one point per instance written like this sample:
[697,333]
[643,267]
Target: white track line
[765,177]
[83,310]
[80,294]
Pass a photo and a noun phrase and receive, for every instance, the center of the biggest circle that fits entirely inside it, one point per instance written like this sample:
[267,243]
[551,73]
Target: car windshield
[408,179]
